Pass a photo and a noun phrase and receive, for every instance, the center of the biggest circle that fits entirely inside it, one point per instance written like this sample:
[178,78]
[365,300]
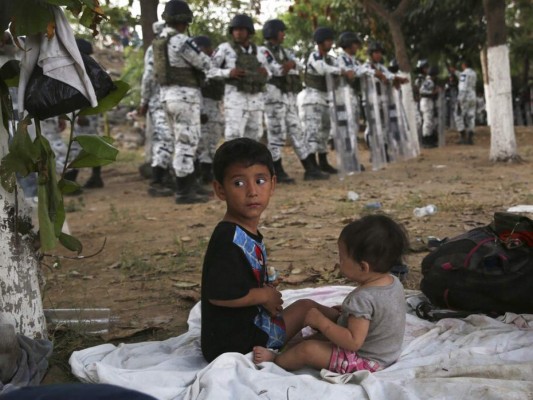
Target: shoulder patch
[193,45]
[268,56]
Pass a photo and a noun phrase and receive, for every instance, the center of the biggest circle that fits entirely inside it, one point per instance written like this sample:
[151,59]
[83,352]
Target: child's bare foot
[262,354]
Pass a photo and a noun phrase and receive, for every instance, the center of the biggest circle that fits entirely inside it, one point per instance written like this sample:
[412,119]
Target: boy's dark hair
[241,151]
[376,239]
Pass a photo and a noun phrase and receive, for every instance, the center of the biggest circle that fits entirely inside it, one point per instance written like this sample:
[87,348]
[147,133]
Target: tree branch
[402,8]
[377,8]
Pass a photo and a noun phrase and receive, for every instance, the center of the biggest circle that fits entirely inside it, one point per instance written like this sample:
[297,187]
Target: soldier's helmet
[422,63]
[394,67]
[322,34]
[375,46]
[202,41]
[157,27]
[242,21]
[346,39]
[84,46]
[272,27]
[177,11]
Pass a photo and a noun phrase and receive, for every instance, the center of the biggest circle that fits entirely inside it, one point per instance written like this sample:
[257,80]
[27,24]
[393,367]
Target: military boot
[186,191]
[324,164]
[206,173]
[281,175]
[72,175]
[95,180]
[157,186]
[470,137]
[312,172]
[462,138]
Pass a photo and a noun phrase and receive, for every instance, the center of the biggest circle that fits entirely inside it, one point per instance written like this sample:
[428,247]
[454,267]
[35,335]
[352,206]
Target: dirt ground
[149,270]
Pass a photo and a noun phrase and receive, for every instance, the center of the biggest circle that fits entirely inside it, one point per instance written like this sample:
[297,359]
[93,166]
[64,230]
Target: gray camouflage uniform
[213,129]
[281,114]
[465,108]
[243,112]
[427,106]
[182,103]
[162,146]
[314,101]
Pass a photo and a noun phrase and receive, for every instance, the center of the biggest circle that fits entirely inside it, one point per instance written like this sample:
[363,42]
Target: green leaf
[65,186]
[10,72]
[97,146]
[46,227]
[31,17]
[86,160]
[110,101]
[70,242]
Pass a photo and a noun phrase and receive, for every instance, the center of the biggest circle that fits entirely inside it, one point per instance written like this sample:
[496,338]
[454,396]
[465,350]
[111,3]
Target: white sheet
[473,358]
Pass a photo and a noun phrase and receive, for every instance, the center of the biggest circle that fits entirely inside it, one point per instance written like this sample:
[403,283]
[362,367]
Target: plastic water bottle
[352,196]
[430,209]
[375,205]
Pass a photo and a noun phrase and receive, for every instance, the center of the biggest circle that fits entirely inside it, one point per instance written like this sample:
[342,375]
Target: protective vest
[213,89]
[253,81]
[318,82]
[288,83]
[167,75]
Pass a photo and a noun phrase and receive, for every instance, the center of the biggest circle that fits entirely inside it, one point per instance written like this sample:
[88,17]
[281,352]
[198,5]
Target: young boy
[240,308]
[368,335]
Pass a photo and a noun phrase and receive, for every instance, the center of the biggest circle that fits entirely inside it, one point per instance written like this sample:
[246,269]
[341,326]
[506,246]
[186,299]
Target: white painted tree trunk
[20,296]
[502,139]
[409,105]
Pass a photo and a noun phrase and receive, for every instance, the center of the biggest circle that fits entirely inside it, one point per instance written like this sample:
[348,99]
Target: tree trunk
[148,17]
[20,299]
[502,141]
[486,86]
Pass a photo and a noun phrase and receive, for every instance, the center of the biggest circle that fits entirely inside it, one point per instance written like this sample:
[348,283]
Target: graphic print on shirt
[255,253]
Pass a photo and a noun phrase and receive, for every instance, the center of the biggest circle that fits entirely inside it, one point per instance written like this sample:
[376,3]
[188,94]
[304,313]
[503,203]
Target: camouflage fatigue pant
[243,123]
[184,122]
[282,118]
[162,139]
[317,126]
[428,120]
[211,131]
[465,113]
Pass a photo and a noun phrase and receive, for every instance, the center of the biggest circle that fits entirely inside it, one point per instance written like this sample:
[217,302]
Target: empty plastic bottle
[430,209]
[375,205]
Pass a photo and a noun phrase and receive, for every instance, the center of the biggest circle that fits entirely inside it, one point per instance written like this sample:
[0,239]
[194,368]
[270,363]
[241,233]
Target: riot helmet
[177,11]
[422,63]
[346,39]
[393,66]
[202,41]
[242,21]
[322,34]
[375,46]
[272,27]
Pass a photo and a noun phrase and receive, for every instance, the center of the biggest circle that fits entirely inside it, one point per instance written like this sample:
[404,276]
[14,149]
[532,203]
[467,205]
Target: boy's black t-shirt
[227,274]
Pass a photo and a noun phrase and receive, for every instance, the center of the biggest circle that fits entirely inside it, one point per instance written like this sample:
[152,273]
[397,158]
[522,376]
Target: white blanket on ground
[473,358]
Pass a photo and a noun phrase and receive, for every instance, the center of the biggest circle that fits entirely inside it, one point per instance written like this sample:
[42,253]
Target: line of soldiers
[196,95]
[463,99]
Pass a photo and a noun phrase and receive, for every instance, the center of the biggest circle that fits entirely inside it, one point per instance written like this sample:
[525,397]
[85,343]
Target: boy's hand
[273,303]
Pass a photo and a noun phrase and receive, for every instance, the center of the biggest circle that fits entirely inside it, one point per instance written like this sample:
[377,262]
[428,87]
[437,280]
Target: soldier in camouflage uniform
[465,108]
[212,129]
[245,73]
[281,115]
[179,65]
[350,43]
[162,141]
[428,92]
[314,98]
[422,68]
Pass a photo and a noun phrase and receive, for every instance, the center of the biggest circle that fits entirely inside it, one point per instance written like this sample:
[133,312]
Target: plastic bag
[46,97]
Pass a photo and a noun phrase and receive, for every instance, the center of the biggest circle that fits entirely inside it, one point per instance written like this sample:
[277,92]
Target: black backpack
[485,270]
